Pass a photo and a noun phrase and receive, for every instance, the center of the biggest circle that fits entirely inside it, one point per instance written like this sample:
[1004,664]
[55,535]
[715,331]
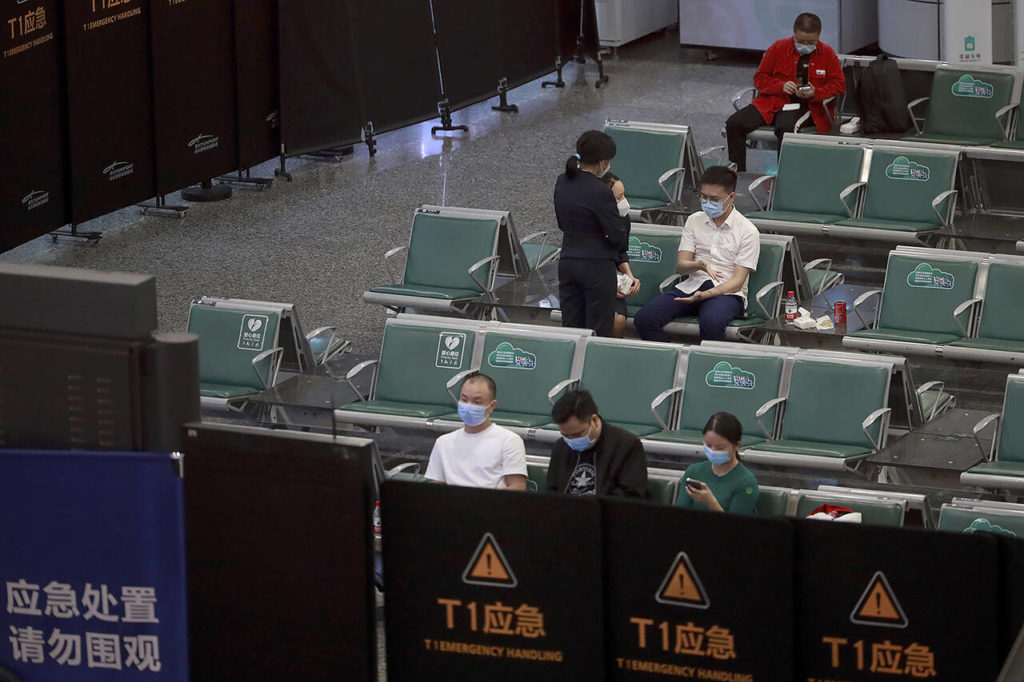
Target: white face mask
[623,207]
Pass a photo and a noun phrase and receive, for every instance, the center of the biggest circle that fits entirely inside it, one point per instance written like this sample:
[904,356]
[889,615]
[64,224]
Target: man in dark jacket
[794,76]
[594,457]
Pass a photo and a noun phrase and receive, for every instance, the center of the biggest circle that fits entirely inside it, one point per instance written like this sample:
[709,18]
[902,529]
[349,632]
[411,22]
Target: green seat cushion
[640,430]
[1000,314]
[1009,144]
[803,447]
[998,468]
[642,204]
[536,254]
[520,419]
[398,409]
[797,217]
[224,391]
[899,225]
[905,335]
[661,490]
[990,344]
[952,139]
[742,322]
[426,291]
[772,502]
[695,437]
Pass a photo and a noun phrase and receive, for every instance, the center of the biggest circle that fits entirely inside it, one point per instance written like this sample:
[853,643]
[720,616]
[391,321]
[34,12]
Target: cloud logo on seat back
[903,168]
[969,86]
[508,356]
[724,375]
[983,525]
[638,250]
[925,276]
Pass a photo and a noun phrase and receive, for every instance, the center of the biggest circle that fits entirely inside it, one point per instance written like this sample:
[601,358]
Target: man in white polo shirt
[717,253]
[481,454]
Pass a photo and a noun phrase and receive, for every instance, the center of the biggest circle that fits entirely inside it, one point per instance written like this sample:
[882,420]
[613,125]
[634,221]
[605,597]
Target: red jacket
[778,65]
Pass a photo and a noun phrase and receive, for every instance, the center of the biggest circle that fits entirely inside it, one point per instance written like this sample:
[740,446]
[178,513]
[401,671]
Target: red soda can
[840,312]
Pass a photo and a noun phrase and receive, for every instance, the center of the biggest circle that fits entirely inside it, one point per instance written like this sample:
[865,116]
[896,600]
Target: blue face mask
[472,415]
[581,443]
[713,209]
[716,456]
[804,49]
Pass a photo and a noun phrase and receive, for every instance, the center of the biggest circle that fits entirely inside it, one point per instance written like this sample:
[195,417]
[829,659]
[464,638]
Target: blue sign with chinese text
[92,567]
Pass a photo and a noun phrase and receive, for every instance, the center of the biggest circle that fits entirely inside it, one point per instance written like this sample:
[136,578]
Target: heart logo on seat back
[255,324]
[452,342]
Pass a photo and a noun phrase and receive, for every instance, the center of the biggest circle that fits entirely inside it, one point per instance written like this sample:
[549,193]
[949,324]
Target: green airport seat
[822,279]
[816,183]
[438,277]
[1016,141]
[627,378]
[836,413]
[925,302]
[417,359]
[764,293]
[876,512]
[966,107]
[1000,335]
[645,159]
[531,369]
[909,190]
[238,351]
[662,490]
[725,382]
[653,252]
[537,477]
[966,517]
[1004,468]
[772,501]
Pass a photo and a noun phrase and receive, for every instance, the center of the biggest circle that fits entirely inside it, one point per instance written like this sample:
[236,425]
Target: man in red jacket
[794,76]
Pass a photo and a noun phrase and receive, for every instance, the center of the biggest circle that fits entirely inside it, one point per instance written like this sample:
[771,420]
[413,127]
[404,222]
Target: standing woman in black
[593,234]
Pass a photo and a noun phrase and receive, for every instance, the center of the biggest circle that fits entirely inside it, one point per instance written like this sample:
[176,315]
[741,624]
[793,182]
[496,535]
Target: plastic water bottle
[790,306]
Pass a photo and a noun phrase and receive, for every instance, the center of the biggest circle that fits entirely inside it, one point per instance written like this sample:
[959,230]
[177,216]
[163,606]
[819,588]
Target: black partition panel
[694,595]
[898,604]
[1011,587]
[110,108]
[320,96]
[278,555]
[397,65]
[570,24]
[32,170]
[491,585]
[528,39]
[468,36]
[194,91]
[256,76]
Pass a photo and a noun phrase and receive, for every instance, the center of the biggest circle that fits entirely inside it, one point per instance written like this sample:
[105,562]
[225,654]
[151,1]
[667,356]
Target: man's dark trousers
[714,313]
[749,118]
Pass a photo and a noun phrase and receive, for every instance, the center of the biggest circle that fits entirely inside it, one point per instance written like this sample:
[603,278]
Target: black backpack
[882,100]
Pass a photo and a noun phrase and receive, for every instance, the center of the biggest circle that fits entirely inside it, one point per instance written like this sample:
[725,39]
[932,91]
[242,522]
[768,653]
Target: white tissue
[824,322]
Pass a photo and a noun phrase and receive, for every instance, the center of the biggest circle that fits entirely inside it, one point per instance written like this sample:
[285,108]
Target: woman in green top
[722,483]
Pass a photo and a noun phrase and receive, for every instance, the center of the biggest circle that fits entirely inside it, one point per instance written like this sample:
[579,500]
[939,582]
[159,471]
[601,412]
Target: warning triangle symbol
[879,606]
[682,586]
[488,566]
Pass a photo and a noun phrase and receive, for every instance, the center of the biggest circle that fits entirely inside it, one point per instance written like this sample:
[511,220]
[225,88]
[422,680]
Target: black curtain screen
[467,34]
[256,59]
[110,108]
[32,147]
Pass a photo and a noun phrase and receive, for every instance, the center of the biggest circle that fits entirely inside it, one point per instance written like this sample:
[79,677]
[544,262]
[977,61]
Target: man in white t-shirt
[481,454]
[717,253]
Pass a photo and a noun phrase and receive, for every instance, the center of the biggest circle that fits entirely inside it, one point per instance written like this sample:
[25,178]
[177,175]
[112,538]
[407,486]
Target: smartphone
[804,88]
[694,484]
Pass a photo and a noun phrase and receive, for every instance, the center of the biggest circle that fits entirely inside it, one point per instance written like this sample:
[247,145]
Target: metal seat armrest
[707,150]
[387,261]
[847,191]
[927,386]
[739,95]
[1004,119]
[757,183]
[800,121]
[910,108]
[476,266]
[981,426]
[327,354]
[559,387]
[764,291]
[454,381]
[402,468]
[827,262]
[275,361]
[860,299]
[763,410]
[534,235]
[883,414]
[352,373]
[669,281]
[960,309]
[665,176]
[944,216]
[659,399]
[543,242]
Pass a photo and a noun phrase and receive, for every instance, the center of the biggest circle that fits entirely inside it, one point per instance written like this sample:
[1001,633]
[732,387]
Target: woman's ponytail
[572,166]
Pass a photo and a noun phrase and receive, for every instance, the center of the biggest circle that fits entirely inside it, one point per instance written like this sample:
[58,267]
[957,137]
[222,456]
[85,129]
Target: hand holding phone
[694,485]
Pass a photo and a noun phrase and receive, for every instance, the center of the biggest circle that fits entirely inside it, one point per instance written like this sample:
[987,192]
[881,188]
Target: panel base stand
[91,237]
[368,138]
[558,82]
[503,104]
[245,179]
[207,191]
[445,109]
[332,153]
[280,172]
[161,209]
